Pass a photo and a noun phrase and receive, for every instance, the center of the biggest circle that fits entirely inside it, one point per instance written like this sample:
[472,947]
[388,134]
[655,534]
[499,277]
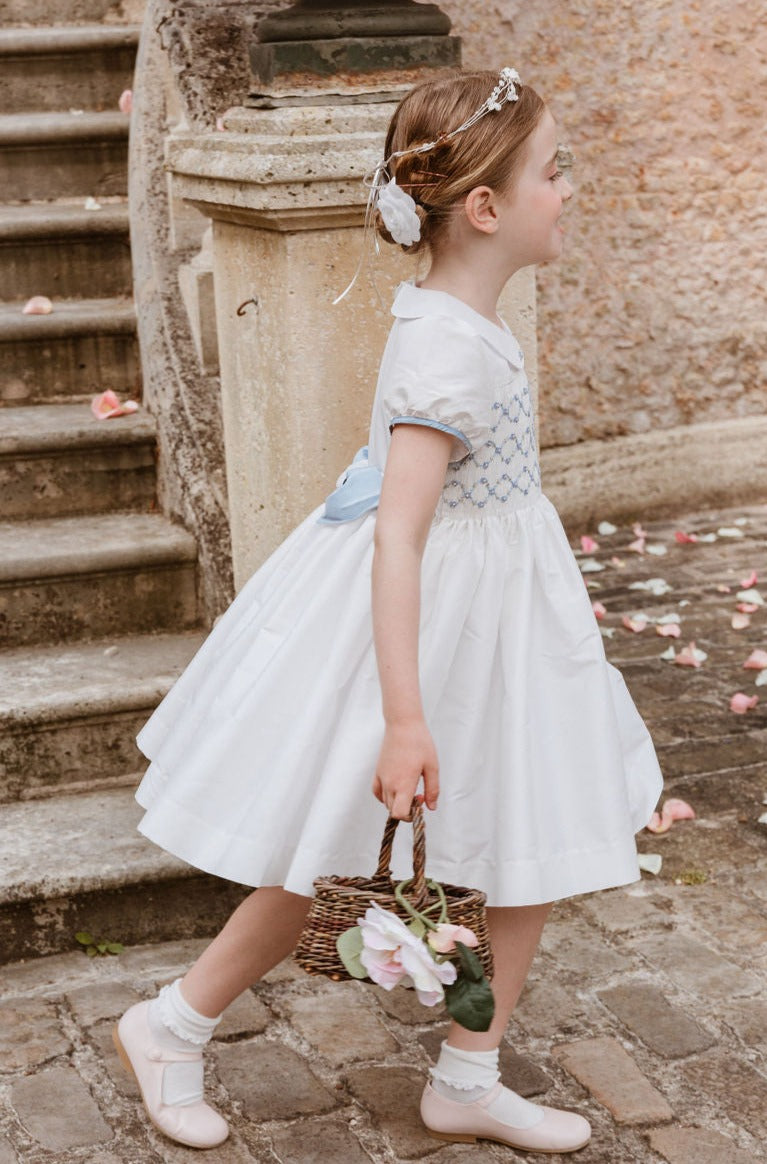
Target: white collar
[411,302]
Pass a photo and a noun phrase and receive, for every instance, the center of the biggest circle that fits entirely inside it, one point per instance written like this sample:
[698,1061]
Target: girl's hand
[407,754]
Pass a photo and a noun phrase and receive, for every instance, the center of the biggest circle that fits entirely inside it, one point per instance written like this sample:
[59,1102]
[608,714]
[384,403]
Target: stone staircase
[98,602]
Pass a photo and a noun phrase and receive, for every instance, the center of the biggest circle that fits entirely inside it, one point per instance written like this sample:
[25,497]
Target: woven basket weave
[340,901]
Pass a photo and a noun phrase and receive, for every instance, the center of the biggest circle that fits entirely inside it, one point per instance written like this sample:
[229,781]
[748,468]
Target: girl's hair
[487,154]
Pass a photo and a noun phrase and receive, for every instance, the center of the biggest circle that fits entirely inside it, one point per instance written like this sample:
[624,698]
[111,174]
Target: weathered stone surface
[737,1087]
[247,1015]
[546,1009]
[667,1029]
[341,1026]
[318,1142]
[404,1006]
[578,951]
[613,1078]
[7,1154]
[748,1017]
[58,1110]
[619,911]
[696,967]
[31,1034]
[91,1004]
[696,1146]
[101,1035]
[392,1096]
[271,1081]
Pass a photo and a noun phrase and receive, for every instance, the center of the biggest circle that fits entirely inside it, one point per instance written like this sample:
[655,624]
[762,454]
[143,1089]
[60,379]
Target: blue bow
[357,493]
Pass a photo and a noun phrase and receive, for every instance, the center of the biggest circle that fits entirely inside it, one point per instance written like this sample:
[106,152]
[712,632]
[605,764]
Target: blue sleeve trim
[454,432]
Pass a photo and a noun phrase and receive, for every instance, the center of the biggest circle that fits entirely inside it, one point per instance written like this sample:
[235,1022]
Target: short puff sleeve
[437,377]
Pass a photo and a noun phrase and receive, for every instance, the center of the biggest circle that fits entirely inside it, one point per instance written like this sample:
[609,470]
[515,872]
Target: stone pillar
[282,184]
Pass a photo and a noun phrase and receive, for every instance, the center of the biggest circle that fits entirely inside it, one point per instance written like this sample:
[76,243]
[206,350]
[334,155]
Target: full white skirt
[264,751]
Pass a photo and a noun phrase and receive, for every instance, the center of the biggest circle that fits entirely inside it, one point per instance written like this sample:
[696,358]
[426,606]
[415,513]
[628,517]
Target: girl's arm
[414,477]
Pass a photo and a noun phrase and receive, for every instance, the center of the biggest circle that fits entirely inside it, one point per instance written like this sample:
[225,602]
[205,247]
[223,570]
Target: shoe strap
[492,1094]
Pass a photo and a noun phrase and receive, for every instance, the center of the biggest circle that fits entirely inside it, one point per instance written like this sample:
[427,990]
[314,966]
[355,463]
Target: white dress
[264,751]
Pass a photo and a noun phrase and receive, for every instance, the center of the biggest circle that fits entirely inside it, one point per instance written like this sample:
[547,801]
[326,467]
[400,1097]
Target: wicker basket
[340,901]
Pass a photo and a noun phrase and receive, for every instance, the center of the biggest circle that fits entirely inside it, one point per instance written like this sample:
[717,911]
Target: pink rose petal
[747,607]
[741,703]
[683,538]
[125,104]
[740,621]
[690,656]
[588,545]
[637,625]
[747,583]
[756,661]
[37,305]
[672,810]
[599,608]
[668,630]
[638,545]
[107,405]
[638,531]
[723,588]
[619,562]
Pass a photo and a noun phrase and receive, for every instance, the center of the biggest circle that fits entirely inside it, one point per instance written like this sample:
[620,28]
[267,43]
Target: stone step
[15,13]
[64,251]
[58,460]
[63,155]
[69,714]
[81,67]
[86,577]
[83,347]
[76,862]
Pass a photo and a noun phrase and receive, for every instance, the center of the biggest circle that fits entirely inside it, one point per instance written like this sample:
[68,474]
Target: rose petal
[619,562]
[637,624]
[669,655]
[605,528]
[125,104]
[668,630]
[690,656]
[591,566]
[729,531]
[656,586]
[747,583]
[750,595]
[740,621]
[709,537]
[92,204]
[107,405]
[588,545]
[650,862]
[658,549]
[638,531]
[607,632]
[756,661]
[673,809]
[599,608]
[37,305]
[747,607]
[723,588]
[761,679]
[741,703]
[684,538]
[638,546]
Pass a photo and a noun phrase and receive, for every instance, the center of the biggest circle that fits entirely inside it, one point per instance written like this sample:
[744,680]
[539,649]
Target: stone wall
[656,315]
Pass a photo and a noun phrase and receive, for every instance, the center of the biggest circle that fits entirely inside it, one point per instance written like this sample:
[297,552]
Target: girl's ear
[481,210]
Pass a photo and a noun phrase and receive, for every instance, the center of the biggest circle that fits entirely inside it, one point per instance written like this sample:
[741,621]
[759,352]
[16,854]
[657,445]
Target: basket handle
[418,887]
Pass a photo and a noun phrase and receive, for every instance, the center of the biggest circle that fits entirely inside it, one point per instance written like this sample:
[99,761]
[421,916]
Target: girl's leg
[466,1100]
[161,1041]
[262,931]
[514,936]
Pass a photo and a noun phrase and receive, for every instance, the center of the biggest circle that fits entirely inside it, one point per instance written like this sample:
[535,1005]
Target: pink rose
[446,935]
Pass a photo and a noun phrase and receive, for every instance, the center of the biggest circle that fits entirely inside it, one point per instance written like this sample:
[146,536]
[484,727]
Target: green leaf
[91,951]
[471,967]
[101,947]
[115,948]
[471,1004]
[349,946]
[84,938]
[417,927]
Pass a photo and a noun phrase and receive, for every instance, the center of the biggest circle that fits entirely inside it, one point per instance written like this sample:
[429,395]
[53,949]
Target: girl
[479,647]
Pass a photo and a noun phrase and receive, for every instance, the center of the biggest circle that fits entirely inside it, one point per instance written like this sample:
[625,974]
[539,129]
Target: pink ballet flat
[195,1124]
[557,1131]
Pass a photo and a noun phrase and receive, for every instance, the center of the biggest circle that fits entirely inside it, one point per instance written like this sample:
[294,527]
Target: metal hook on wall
[244,305]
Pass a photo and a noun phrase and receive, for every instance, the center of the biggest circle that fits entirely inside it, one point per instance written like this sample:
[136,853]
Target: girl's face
[530,211]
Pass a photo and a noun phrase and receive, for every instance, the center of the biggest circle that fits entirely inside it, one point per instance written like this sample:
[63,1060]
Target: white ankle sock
[177,1026]
[466,1076]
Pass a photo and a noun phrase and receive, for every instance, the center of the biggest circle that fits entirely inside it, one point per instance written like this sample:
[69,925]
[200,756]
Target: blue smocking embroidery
[507,462]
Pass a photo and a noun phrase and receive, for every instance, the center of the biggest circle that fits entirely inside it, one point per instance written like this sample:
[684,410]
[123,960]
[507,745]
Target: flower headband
[396,207]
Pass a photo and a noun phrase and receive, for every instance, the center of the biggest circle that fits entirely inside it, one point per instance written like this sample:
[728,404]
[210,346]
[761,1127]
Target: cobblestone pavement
[645,1009]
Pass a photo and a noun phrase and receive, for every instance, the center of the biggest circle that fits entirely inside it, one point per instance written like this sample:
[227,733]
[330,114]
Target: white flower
[392,954]
[399,214]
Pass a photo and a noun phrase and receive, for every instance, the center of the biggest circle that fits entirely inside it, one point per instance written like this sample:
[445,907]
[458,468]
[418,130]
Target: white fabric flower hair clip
[398,211]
